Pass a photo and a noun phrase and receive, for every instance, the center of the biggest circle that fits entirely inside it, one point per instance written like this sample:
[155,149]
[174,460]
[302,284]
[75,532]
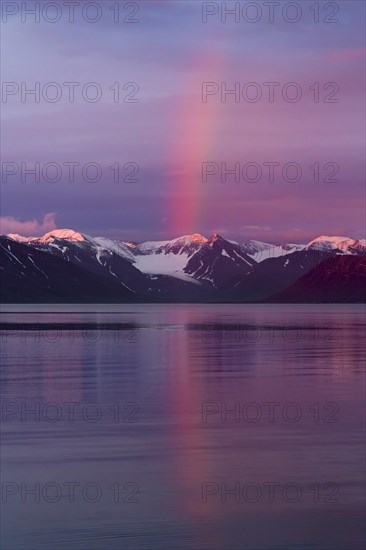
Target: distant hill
[341,279]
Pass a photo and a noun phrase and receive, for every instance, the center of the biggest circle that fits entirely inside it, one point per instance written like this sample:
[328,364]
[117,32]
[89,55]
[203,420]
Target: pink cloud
[9,224]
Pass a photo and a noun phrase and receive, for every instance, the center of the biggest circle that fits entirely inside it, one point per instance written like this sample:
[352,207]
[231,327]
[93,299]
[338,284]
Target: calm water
[216,427]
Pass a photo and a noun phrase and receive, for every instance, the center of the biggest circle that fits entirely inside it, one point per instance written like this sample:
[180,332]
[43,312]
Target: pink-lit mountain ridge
[189,268]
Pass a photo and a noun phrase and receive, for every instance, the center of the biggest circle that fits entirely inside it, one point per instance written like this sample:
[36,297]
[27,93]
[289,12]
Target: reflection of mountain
[66,266]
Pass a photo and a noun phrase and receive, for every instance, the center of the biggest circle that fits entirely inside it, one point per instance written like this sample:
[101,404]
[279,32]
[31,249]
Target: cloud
[9,224]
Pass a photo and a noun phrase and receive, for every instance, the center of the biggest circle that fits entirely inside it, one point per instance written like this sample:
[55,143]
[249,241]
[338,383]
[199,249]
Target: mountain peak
[329,239]
[197,238]
[214,237]
[67,234]
[19,238]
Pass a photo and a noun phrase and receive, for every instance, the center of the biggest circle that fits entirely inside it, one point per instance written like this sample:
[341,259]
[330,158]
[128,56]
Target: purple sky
[170,132]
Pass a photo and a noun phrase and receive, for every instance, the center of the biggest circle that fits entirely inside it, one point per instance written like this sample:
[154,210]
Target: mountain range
[64,266]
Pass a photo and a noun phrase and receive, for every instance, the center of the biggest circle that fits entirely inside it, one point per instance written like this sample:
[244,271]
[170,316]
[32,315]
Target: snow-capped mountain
[219,262]
[30,274]
[189,268]
[260,251]
[167,257]
[341,245]
[182,245]
[103,257]
[66,234]
[120,248]
[109,260]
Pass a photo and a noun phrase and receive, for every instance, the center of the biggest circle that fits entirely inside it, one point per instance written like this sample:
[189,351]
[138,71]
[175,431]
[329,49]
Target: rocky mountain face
[65,265]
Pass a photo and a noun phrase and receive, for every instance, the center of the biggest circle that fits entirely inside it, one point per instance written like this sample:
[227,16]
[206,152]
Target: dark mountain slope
[341,279]
[273,275]
[30,275]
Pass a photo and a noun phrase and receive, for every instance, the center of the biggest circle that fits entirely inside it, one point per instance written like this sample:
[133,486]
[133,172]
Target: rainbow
[198,125]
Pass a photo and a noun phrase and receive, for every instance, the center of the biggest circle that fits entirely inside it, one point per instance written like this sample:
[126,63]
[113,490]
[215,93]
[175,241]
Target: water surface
[223,427]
